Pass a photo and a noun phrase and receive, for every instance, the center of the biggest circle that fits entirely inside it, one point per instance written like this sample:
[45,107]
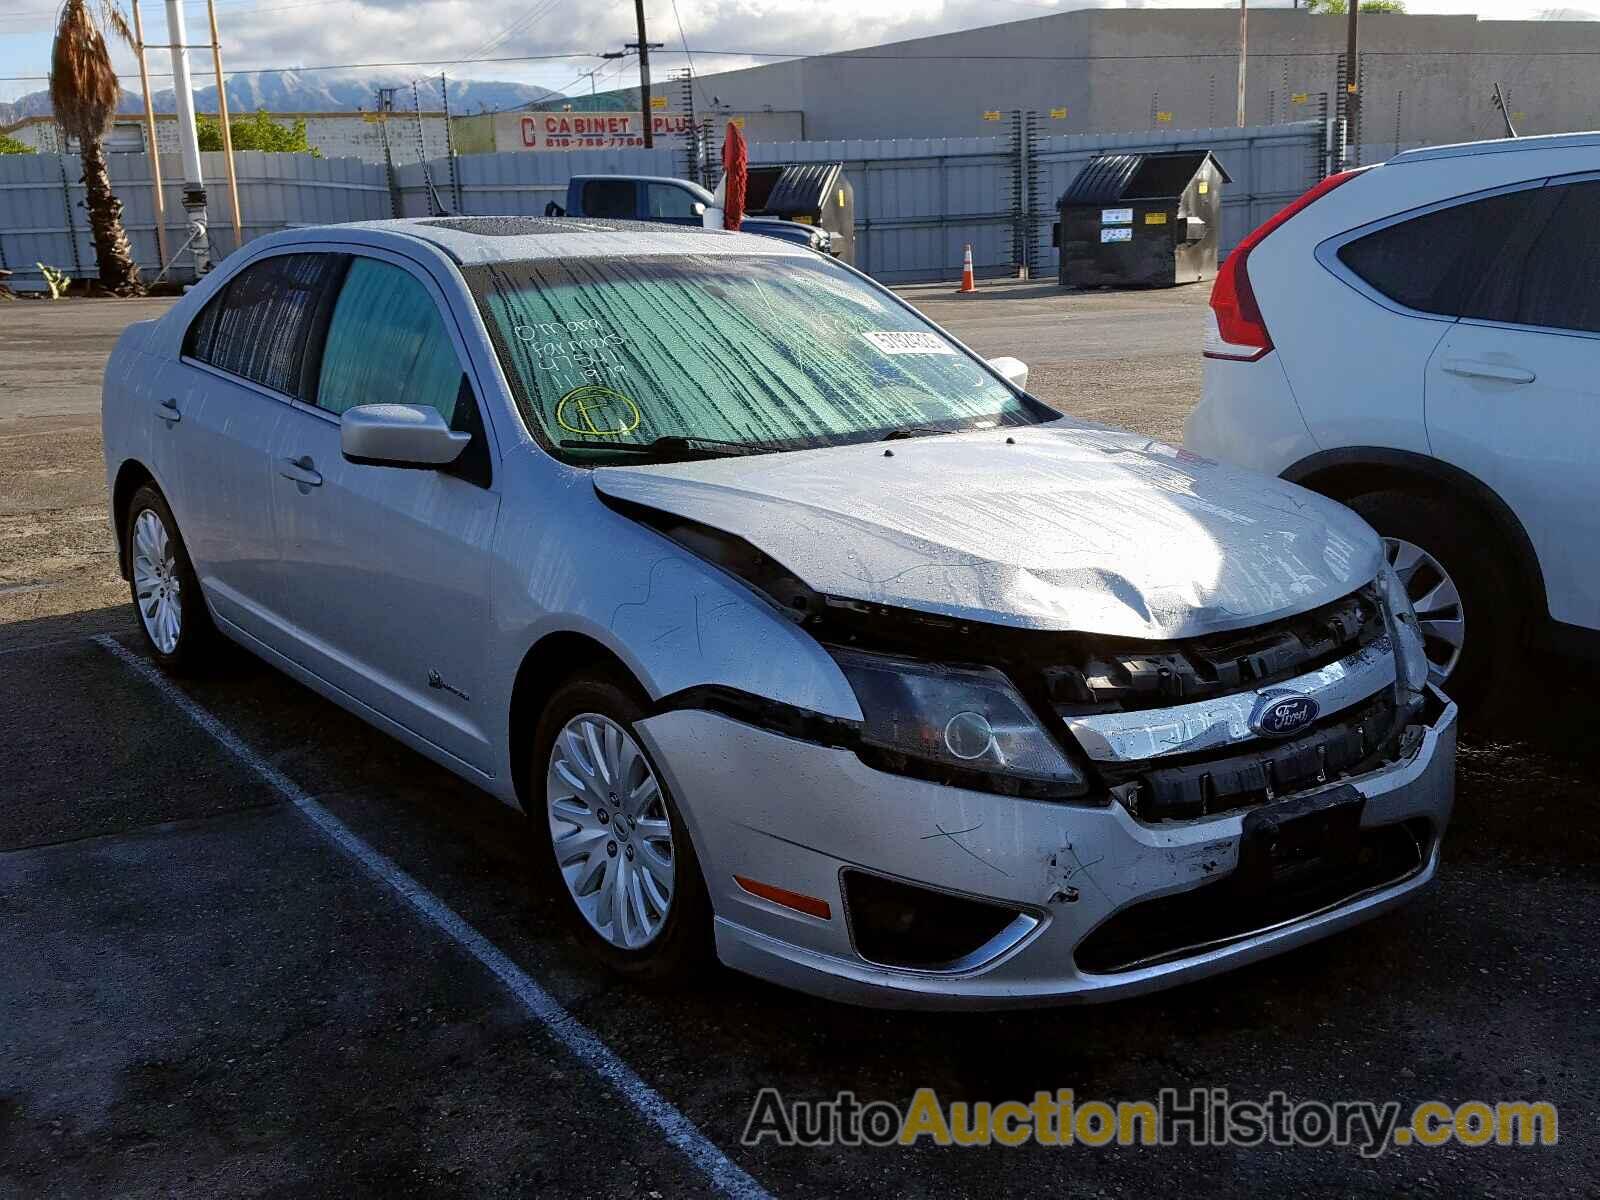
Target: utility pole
[1244,31]
[644,47]
[227,129]
[609,56]
[155,146]
[1352,83]
[194,184]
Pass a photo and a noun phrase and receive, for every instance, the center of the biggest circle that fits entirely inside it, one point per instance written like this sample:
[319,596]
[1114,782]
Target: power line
[516,27]
[849,55]
[420,62]
[684,38]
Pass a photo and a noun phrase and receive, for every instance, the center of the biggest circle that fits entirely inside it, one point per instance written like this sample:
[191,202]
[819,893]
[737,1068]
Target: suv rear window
[258,325]
[1560,286]
[1450,261]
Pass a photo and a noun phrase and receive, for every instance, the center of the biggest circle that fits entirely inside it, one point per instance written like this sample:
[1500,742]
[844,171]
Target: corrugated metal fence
[43,220]
[918,201]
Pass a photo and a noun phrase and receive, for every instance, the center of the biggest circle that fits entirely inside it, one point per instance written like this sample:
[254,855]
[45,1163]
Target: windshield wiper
[666,445]
[912,431]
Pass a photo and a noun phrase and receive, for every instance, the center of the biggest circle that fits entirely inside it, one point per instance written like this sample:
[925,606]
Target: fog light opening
[896,924]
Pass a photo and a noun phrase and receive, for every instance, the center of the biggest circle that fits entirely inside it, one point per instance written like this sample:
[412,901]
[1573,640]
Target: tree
[1338,8]
[10,145]
[256,132]
[84,95]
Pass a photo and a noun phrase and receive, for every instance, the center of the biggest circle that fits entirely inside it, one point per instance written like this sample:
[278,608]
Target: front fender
[675,621]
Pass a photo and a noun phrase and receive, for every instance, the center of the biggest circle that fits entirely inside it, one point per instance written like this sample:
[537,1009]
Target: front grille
[1345,743]
[1123,676]
[1207,917]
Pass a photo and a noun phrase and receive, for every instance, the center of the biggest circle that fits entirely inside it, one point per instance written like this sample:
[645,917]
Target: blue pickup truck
[674,201]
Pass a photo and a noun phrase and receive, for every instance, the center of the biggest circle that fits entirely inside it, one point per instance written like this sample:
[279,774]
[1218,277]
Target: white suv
[1421,340]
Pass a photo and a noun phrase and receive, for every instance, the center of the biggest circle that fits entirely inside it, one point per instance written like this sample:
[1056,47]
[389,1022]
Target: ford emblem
[1279,714]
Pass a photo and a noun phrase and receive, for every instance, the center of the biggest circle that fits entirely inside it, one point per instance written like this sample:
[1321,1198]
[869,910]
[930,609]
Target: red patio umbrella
[736,172]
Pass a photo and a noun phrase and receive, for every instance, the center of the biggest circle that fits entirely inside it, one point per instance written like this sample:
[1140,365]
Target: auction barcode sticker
[909,342]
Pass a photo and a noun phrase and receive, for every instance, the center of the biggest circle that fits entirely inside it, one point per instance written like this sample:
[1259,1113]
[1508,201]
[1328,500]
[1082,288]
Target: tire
[1470,553]
[166,594]
[599,830]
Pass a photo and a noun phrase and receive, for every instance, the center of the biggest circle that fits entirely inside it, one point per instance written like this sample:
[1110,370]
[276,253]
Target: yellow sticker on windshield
[596,411]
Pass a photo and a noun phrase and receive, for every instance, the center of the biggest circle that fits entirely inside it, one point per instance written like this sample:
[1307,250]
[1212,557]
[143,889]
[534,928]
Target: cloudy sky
[306,33]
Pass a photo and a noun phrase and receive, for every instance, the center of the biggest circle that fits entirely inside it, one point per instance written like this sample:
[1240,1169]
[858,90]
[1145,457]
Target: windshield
[723,354]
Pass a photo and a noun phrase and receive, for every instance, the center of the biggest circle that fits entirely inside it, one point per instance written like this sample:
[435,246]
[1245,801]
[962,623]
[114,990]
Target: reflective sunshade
[766,353]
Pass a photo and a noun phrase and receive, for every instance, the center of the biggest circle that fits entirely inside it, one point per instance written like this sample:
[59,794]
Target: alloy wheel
[610,830]
[157,588]
[1436,598]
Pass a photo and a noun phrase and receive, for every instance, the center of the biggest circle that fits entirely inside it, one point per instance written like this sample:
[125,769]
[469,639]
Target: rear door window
[1455,261]
[609,198]
[257,327]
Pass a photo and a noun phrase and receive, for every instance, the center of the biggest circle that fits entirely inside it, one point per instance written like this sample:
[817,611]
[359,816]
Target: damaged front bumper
[1062,902]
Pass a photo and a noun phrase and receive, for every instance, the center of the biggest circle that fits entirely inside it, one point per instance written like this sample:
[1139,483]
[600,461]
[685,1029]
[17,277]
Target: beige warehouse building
[1425,78]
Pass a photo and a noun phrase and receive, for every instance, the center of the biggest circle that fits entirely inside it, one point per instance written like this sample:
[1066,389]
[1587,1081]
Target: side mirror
[399,435]
[699,209]
[1013,370]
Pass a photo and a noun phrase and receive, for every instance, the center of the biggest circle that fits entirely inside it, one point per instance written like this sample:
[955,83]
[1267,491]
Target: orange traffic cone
[969,285]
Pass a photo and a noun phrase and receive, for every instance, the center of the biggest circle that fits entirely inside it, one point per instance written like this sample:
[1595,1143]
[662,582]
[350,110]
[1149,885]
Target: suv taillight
[1239,333]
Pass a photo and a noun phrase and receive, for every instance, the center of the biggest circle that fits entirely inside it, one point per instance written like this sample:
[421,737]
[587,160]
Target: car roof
[486,239]
[1518,145]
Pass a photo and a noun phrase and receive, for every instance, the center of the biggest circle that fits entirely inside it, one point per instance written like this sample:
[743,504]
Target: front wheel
[1459,578]
[615,843]
[166,592]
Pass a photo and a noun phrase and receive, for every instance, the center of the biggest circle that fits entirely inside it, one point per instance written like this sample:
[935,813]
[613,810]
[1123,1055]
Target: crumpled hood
[1066,527]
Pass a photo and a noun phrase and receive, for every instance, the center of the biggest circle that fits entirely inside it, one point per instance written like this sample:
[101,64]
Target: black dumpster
[811,193]
[1141,220]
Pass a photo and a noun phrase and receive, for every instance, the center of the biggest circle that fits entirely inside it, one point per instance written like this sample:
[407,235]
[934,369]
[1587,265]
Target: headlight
[968,725]
[1411,661]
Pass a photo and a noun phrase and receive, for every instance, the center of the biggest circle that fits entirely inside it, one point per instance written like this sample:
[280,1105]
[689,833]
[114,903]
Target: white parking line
[726,1175]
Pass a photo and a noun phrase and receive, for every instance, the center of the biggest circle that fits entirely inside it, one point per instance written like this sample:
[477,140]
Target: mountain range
[319,91]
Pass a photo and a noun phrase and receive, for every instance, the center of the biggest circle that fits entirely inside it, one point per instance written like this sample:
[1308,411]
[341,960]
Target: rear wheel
[166,592]
[1457,572]
[615,845]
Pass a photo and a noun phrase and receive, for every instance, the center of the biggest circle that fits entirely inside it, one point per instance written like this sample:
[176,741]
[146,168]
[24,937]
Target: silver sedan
[805,637]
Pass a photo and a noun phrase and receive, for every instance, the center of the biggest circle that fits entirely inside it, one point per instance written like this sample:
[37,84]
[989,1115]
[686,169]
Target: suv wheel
[615,845]
[1455,571]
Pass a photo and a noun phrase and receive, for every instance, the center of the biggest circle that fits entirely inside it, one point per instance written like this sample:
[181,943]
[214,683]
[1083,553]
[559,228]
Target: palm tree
[84,93]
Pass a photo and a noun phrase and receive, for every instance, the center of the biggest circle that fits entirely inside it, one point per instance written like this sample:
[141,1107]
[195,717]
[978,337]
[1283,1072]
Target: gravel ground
[201,996]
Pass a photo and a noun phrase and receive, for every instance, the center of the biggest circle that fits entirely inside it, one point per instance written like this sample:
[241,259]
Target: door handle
[301,470]
[167,410]
[1477,368]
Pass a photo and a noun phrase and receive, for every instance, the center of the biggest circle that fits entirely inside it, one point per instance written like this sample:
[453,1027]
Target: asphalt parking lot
[203,994]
